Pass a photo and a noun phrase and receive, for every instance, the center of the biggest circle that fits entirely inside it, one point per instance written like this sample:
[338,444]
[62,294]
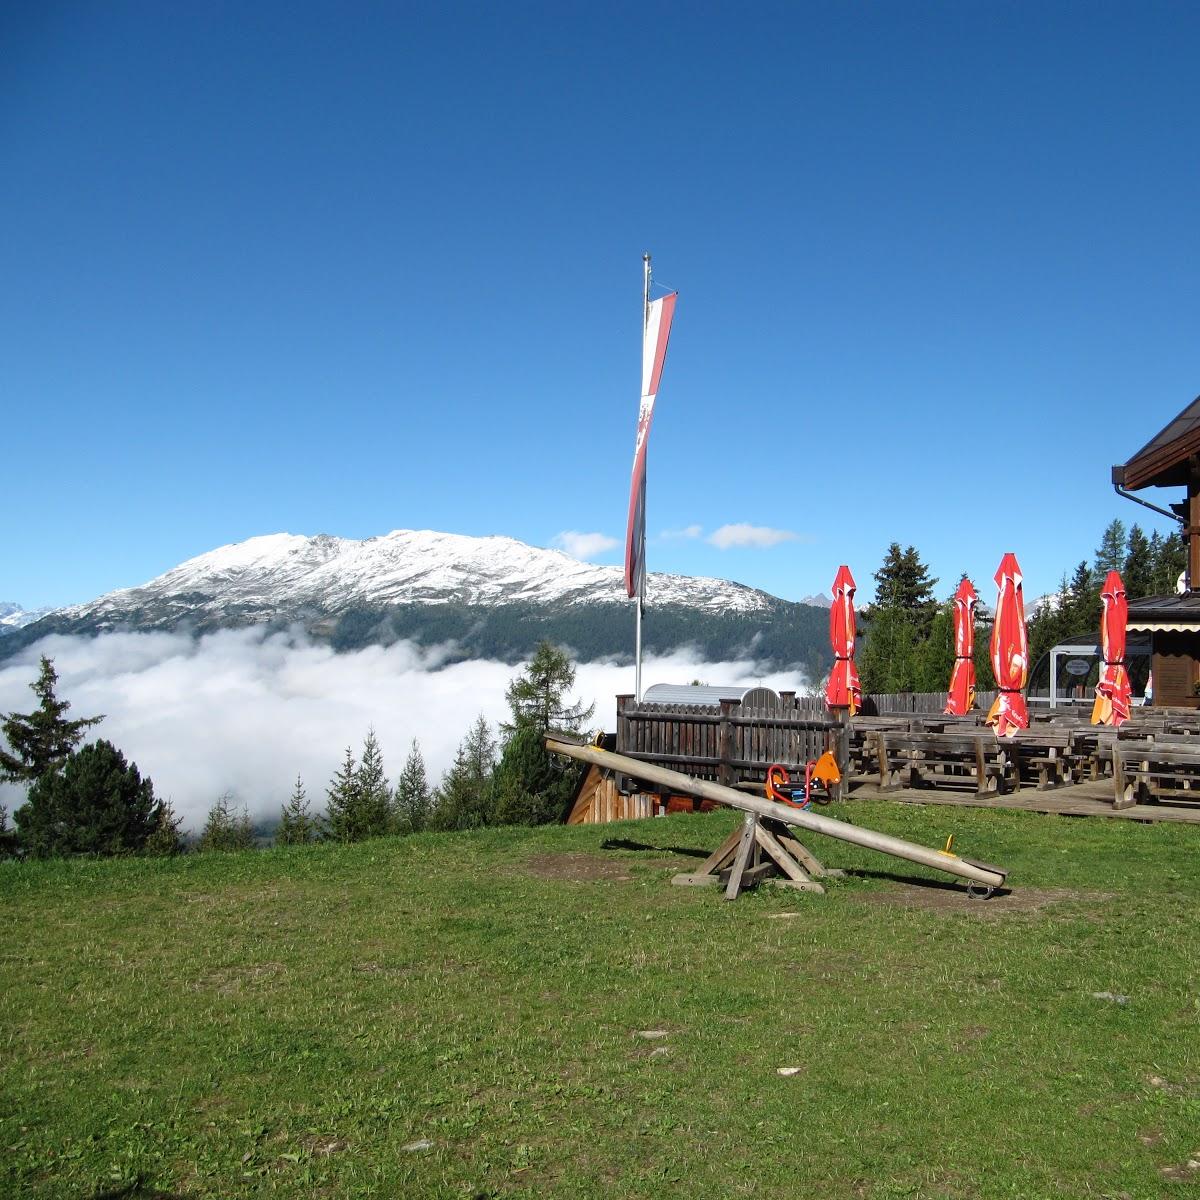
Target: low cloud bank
[246,711]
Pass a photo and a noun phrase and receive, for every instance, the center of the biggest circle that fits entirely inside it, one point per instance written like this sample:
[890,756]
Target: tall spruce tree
[903,582]
[1137,571]
[94,803]
[1169,563]
[538,695]
[465,798]
[40,741]
[1110,554]
[297,826]
[412,801]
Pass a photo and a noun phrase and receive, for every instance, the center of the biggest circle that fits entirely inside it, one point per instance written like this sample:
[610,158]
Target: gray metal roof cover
[694,693]
[1172,607]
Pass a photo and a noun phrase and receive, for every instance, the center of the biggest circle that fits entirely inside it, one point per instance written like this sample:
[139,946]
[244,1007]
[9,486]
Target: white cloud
[583,545]
[688,531]
[759,536]
[245,710]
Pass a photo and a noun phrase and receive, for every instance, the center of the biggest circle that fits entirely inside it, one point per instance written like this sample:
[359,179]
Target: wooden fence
[727,743]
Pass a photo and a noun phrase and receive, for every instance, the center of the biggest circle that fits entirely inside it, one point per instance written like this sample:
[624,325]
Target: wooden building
[1171,459]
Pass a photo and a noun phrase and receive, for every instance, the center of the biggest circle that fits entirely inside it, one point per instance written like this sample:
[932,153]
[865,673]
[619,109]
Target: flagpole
[641,596]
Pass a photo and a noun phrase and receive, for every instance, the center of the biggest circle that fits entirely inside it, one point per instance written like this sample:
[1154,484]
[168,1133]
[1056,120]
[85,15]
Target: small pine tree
[465,799]
[410,808]
[94,803]
[341,813]
[296,824]
[374,816]
[40,741]
[226,828]
[8,836]
[166,839]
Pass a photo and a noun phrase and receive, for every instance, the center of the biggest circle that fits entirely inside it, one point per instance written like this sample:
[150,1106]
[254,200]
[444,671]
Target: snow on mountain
[13,616]
[280,575]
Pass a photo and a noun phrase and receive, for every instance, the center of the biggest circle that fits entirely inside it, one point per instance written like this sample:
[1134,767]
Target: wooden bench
[943,760]
[1151,769]
[1044,752]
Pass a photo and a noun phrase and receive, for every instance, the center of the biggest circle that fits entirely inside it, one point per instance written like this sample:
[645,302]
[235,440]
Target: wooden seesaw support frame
[764,843]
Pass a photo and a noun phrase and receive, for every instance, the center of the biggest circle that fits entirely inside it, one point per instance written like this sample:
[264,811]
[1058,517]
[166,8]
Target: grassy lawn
[462,1016]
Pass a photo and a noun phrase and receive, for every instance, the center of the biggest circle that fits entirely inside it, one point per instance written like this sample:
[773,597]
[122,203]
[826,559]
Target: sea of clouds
[245,711]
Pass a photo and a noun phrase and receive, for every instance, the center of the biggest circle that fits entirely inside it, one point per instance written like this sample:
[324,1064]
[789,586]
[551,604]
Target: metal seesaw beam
[982,873]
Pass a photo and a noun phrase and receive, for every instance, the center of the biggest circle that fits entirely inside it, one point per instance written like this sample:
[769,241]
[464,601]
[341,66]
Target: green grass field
[460,1015]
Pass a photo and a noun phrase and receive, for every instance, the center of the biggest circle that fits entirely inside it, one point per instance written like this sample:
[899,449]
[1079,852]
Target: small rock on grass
[1113,996]
[787,1072]
[652,1034]
[781,916]
[659,1052]
[419,1144]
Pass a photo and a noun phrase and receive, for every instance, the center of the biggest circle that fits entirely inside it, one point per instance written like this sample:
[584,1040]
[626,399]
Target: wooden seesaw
[764,845]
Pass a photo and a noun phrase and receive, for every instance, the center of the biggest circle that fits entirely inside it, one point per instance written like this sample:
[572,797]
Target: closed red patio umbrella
[842,690]
[1009,651]
[1112,692]
[962,677]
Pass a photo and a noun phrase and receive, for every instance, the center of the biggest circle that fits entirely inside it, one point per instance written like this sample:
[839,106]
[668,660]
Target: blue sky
[349,268]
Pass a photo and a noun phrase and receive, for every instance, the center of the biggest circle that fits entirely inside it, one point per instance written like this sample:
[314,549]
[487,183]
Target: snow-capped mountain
[279,574]
[488,595]
[13,616]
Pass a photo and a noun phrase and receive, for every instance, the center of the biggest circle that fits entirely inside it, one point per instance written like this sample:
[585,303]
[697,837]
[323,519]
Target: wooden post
[841,747]
[725,744]
[1193,524]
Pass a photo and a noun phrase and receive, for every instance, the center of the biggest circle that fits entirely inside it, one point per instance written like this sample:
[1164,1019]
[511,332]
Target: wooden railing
[726,743]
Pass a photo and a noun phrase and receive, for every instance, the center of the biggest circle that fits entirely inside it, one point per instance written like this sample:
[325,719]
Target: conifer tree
[341,811]
[903,582]
[374,795]
[297,825]
[1169,563]
[410,810]
[537,695]
[935,656]
[40,741]
[887,660]
[1111,554]
[93,803]
[1137,571]
[8,836]
[226,828]
[166,839]
[465,799]
[531,786]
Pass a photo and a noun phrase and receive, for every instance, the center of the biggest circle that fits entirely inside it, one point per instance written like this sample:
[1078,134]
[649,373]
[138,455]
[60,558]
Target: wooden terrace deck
[1093,798]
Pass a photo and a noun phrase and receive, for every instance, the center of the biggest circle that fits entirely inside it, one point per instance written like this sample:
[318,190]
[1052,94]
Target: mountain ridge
[488,595]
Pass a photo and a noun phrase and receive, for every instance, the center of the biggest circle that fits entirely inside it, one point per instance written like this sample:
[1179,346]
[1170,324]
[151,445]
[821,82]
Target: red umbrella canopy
[962,677]
[1112,692]
[1009,651]
[842,690]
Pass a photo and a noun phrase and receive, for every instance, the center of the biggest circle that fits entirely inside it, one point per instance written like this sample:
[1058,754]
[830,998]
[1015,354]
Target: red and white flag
[654,353]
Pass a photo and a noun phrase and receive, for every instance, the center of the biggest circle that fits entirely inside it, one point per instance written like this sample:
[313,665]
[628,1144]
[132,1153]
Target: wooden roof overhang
[1168,459]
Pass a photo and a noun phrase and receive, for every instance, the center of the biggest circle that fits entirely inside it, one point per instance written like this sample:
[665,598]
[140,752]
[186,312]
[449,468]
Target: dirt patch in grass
[939,897]
[576,867]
